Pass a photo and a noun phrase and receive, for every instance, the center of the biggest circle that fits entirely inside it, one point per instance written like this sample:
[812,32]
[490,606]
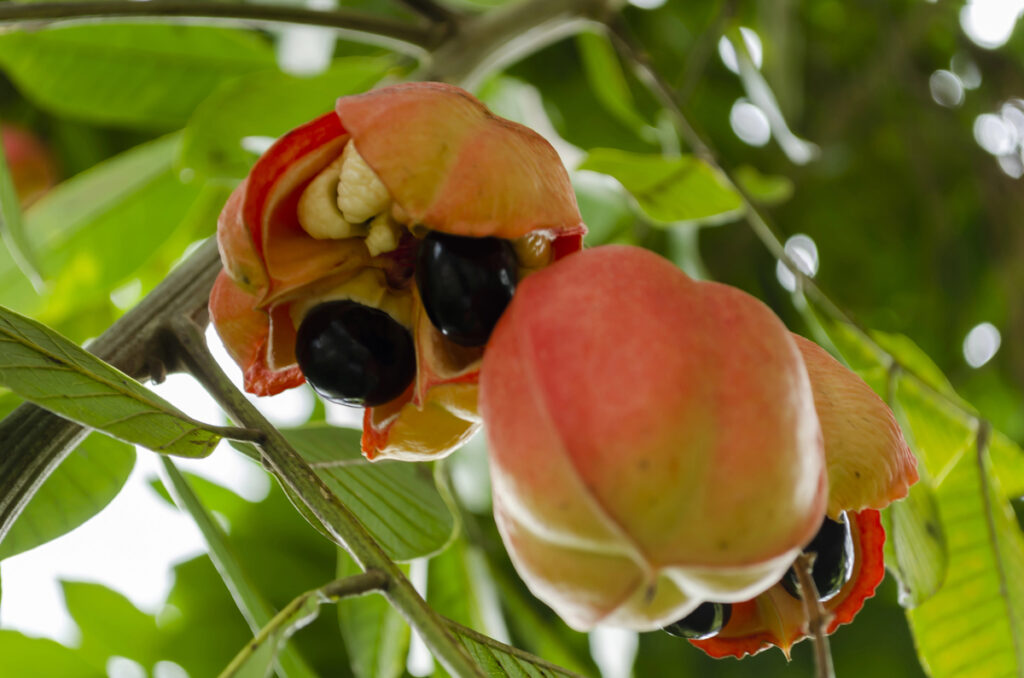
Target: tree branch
[355,23]
[295,474]
[429,9]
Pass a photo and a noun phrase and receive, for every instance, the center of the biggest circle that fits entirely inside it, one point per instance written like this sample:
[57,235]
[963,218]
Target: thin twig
[347,20]
[631,52]
[817,619]
[296,475]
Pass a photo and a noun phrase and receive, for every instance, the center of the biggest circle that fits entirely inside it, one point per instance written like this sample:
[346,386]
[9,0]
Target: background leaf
[397,502]
[376,635]
[25,656]
[148,76]
[267,103]
[670,190]
[47,369]
[81,487]
[12,228]
[604,73]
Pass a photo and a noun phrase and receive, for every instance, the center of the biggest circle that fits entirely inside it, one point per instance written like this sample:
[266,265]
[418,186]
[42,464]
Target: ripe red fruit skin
[653,440]
[449,165]
[31,164]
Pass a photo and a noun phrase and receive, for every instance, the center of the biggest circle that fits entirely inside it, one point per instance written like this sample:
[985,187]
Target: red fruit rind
[461,169]
[748,632]
[32,166]
[609,450]
[869,462]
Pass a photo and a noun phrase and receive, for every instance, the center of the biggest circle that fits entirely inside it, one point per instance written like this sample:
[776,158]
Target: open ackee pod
[335,210]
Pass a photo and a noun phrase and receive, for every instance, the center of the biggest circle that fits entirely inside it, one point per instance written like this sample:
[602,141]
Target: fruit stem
[817,618]
[191,352]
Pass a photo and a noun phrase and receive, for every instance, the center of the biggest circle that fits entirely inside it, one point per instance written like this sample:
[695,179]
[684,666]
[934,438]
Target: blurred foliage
[918,229]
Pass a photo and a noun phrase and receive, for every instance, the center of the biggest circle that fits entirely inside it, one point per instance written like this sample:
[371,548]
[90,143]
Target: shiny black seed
[354,354]
[833,564]
[704,622]
[465,284]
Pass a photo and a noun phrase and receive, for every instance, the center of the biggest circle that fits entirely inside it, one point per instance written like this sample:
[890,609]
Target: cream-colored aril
[368,288]
[361,194]
[318,212]
[384,235]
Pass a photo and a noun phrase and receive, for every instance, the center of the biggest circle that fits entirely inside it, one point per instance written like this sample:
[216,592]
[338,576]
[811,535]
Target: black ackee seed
[704,622]
[833,564]
[354,354]
[465,284]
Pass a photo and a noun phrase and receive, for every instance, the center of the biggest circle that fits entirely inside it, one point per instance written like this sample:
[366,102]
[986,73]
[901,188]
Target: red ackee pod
[869,465]
[444,163]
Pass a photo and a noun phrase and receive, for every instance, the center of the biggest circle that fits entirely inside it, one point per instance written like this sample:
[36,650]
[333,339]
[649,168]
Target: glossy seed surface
[355,355]
[465,284]
[704,622]
[833,562]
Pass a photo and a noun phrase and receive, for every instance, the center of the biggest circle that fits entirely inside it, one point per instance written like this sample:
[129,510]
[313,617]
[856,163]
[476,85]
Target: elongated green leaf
[97,229]
[24,656]
[397,502]
[111,625]
[41,366]
[149,76]
[670,190]
[502,661]
[376,635]
[251,603]
[607,80]
[916,544]
[12,228]
[81,487]
[268,103]
[257,658]
[974,625]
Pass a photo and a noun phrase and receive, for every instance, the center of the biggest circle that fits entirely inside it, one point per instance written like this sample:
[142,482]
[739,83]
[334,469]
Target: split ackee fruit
[412,210]
[662,446]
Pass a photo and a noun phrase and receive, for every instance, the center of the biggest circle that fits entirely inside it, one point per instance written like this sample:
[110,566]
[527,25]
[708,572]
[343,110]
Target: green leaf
[916,544]
[974,625]
[376,635]
[396,501]
[502,661]
[100,227]
[111,625]
[81,487]
[670,190]
[251,603]
[24,656]
[605,77]
[267,103]
[149,76]
[256,659]
[768,189]
[41,366]
[12,228]
[461,588]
